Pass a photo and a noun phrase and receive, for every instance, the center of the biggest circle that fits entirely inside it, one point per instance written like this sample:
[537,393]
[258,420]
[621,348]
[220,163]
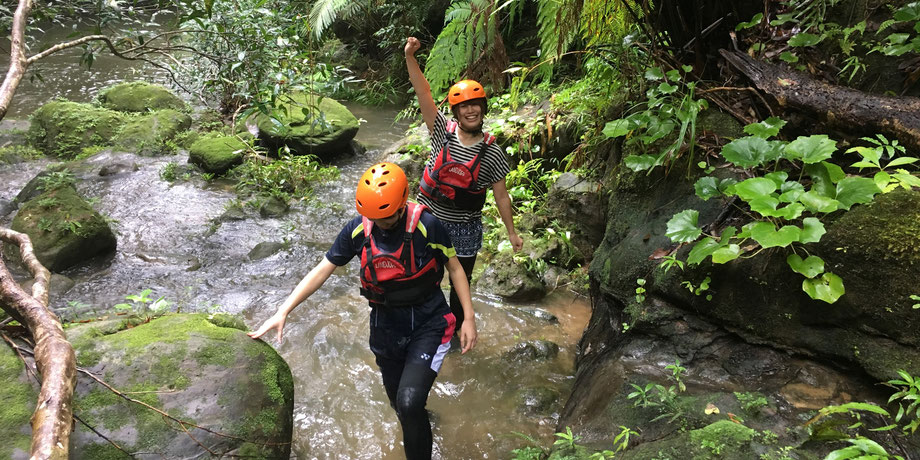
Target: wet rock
[303,132]
[554,277]
[539,313]
[216,153]
[63,129]
[118,167]
[151,133]
[536,400]
[580,206]
[511,280]
[194,264]
[273,207]
[201,370]
[58,285]
[535,350]
[139,96]
[232,213]
[65,230]
[265,249]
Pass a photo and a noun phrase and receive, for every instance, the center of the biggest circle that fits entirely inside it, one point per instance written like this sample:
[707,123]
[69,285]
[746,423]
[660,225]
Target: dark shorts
[465,236]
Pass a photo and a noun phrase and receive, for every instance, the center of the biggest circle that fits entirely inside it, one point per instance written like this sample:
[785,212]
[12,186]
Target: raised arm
[422,89]
[307,286]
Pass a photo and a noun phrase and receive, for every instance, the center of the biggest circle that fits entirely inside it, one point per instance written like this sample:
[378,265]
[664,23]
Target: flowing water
[171,241]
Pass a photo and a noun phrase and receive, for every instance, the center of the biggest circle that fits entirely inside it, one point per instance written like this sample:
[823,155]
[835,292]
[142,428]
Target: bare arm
[422,89]
[503,203]
[307,286]
[468,335]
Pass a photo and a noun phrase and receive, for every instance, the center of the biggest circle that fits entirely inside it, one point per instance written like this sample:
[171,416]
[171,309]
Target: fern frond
[325,12]
[449,53]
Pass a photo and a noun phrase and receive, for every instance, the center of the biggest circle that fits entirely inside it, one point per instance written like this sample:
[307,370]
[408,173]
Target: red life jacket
[452,182]
[392,278]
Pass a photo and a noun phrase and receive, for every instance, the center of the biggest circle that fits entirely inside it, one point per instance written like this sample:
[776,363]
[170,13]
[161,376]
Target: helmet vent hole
[385,206]
[382,184]
[385,173]
[367,182]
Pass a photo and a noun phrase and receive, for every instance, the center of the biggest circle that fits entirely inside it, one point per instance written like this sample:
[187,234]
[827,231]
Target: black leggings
[410,344]
[455,307]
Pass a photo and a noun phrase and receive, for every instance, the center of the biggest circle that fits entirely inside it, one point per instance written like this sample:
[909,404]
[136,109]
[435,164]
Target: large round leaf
[750,151]
[683,228]
[810,267]
[767,236]
[828,288]
[811,149]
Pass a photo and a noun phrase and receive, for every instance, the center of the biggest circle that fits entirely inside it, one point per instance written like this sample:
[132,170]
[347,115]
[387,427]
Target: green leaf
[641,162]
[755,187]
[811,149]
[764,205]
[790,191]
[789,57]
[779,177]
[834,171]
[683,228]
[654,73]
[881,179]
[767,236]
[856,190]
[702,249]
[753,22]
[909,12]
[901,161]
[726,254]
[828,288]
[844,454]
[812,231]
[617,128]
[806,39]
[707,187]
[751,151]
[810,267]
[767,128]
[869,446]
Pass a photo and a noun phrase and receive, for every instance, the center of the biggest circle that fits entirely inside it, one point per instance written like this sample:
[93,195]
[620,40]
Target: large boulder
[510,280]
[140,96]
[63,128]
[216,153]
[234,394]
[65,230]
[198,368]
[308,125]
[151,133]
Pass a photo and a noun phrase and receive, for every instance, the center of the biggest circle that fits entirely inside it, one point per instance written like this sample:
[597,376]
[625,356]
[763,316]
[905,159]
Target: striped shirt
[493,168]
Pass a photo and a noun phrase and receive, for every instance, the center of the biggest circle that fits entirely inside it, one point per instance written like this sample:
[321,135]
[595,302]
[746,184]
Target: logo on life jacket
[453,183]
[394,278]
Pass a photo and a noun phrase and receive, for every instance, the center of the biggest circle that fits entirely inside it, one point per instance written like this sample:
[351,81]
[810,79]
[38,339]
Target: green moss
[63,128]
[167,329]
[18,153]
[140,96]
[724,438]
[167,368]
[152,133]
[215,354]
[217,153]
[88,357]
[266,421]
[18,403]
[104,408]
[228,321]
[103,451]
[888,230]
[275,376]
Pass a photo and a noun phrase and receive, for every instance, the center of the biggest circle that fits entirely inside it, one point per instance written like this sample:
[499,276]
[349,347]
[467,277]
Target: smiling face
[469,115]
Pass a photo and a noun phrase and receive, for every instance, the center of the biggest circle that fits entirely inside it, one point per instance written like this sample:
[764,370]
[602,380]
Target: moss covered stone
[63,128]
[140,96]
[65,230]
[18,398]
[215,377]
[216,153]
[308,125]
[152,133]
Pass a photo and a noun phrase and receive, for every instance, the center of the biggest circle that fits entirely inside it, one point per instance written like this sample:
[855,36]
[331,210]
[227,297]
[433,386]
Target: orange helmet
[465,90]
[382,191]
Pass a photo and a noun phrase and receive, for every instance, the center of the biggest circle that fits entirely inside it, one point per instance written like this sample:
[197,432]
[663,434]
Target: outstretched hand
[517,243]
[275,322]
[412,45]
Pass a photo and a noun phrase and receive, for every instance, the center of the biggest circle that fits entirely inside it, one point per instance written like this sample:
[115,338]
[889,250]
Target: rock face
[65,230]
[510,280]
[216,153]
[63,128]
[140,96]
[203,370]
[753,329]
[327,132]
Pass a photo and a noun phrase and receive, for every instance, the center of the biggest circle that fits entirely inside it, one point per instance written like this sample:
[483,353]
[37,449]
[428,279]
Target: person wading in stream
[404,251]
[464,162]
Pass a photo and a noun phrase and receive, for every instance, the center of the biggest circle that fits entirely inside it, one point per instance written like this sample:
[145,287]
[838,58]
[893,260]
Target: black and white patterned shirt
[493,168]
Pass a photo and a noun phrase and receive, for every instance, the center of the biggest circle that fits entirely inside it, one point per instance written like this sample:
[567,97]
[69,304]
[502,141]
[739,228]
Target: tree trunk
[841,107]
[18,61]
[54,356]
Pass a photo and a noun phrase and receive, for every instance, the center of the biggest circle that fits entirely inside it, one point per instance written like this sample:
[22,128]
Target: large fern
[558,21]
[325,12]
[450,54]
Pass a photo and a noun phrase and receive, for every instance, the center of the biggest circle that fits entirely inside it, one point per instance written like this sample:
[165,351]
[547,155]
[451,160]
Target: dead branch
[54,356]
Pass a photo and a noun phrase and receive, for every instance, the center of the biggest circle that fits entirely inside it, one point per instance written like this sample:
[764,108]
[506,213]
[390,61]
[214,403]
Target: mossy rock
[63,128]
[217,153]
[326,133]
[510,280]
[65,230]
[196,369]
[18,396]
[140,96]
[151,133]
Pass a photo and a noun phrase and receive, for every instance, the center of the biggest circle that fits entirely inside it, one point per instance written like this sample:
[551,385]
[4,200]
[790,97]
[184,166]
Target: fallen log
[54,356]
[841,107]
